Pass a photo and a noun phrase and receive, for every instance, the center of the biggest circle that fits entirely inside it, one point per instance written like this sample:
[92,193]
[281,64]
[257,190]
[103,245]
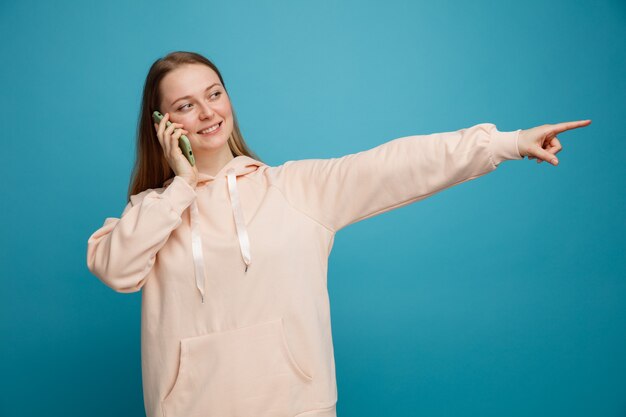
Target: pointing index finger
[562,127]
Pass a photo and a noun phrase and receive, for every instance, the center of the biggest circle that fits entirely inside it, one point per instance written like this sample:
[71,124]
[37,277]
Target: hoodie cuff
[180,194]
[504,145]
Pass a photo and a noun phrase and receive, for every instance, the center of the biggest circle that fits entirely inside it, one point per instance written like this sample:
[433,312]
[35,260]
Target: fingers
[552,146]
[174,144]
[162,126]
[545,155]
[168,135]
[562,127]
[173,141]
[161,139]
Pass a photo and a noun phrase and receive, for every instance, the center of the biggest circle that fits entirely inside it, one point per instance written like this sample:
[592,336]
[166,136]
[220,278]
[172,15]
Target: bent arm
[122,252]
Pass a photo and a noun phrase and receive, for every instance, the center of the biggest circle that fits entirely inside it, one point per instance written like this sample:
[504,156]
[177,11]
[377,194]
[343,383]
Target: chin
[209,144]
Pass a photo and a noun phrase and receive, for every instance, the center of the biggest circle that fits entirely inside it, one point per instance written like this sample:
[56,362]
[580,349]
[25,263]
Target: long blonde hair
[151,169]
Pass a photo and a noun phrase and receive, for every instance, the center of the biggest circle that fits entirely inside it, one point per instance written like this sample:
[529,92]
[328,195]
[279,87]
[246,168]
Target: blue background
[505,295]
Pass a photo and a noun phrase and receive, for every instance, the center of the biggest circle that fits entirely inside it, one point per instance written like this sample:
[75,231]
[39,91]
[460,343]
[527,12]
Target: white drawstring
[242,233]
[196,245]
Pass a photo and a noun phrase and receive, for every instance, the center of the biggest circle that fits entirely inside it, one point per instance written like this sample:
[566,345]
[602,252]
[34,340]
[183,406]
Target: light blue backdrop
[503,296]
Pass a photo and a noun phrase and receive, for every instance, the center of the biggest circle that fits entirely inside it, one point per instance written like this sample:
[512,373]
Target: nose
[206,112]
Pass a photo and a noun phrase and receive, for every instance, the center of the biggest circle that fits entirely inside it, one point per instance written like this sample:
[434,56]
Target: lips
[207,127]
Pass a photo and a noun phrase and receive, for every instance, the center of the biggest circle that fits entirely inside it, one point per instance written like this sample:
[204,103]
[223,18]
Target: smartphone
[183,141]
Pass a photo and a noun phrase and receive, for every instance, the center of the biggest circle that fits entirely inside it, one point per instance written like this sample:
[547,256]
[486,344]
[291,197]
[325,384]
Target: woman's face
[194,97]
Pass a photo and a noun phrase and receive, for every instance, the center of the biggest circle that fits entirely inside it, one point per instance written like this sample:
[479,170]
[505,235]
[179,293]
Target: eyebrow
[206,89]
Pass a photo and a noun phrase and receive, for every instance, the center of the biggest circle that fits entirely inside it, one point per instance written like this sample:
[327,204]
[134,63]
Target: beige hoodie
[235,318]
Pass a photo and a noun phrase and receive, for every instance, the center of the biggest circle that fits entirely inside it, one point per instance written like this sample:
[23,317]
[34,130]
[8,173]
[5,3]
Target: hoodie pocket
[248,371]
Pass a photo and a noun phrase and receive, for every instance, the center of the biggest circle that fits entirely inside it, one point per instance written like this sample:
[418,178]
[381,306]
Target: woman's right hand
[175,158]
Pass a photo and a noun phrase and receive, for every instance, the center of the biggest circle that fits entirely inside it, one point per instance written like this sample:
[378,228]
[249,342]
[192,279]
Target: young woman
[231,254]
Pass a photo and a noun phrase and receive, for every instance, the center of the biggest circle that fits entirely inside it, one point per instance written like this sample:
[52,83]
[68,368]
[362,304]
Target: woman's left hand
[541,142]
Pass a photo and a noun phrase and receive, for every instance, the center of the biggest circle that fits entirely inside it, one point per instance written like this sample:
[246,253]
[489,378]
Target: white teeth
[211,129]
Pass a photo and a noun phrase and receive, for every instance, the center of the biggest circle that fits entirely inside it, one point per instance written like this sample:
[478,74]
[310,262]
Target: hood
[238,166]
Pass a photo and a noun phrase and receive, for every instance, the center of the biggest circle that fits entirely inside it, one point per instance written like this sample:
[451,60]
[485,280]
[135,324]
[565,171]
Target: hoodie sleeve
[122,252]
[337,192]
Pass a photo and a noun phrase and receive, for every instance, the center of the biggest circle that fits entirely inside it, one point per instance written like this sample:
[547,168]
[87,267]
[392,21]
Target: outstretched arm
[337,192]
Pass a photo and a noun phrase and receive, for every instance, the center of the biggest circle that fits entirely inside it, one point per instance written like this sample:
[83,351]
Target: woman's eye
[217,93]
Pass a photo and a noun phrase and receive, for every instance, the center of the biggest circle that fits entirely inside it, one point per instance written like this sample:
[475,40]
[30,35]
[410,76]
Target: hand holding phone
[183,141]
[183,162]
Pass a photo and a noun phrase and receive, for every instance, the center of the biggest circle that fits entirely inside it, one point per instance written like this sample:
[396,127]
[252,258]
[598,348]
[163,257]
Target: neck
[211,163]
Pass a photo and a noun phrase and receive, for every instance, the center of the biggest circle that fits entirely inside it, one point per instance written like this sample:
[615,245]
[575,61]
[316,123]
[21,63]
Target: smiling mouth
[209,131]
